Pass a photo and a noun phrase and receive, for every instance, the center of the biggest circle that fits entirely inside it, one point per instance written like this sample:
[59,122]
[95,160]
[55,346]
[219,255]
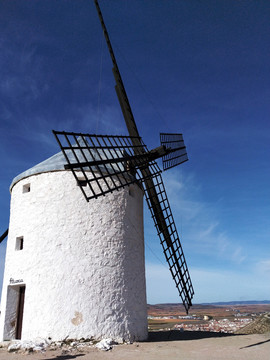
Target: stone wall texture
[82,263]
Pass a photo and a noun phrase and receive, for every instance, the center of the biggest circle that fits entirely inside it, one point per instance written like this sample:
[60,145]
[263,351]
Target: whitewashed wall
[82,263]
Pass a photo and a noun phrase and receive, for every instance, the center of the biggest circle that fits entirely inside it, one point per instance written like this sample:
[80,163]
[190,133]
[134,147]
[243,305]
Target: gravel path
[169,345]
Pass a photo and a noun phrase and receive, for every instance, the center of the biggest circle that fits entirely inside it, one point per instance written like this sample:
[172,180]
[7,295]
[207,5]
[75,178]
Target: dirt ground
[169,345]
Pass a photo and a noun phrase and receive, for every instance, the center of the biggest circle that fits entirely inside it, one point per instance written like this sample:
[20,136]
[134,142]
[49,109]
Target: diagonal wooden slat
[3,236]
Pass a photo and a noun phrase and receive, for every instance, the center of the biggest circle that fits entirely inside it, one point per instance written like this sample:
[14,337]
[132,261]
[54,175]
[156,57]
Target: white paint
[82,262]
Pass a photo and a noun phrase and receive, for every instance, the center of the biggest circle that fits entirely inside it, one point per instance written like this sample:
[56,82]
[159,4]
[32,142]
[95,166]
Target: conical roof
[53,163]
[58,161]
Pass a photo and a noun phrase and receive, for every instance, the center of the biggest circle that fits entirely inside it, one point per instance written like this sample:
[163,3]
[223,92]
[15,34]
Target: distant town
[225,318]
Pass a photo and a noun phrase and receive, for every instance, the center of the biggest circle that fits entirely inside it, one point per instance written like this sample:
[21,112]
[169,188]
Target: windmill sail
[3,236]
[102,164]
[155,192]
[178,153]
[119,87]
[168,235]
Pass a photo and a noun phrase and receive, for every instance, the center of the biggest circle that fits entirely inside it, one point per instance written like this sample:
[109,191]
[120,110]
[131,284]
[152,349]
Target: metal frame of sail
[177,154]
[103,162]
[186,291]
[170,241]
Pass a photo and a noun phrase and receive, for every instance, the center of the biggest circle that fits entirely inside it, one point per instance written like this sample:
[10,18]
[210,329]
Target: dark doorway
[20,313]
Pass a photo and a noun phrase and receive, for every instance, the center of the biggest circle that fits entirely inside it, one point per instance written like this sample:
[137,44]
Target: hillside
[259,326]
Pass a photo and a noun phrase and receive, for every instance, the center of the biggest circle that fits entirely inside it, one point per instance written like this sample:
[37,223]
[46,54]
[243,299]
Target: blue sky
[200,68]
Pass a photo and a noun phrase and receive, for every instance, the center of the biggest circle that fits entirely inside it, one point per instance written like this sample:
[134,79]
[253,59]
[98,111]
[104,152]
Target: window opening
[26,188]
[19,243]
[131,191]
[81,181]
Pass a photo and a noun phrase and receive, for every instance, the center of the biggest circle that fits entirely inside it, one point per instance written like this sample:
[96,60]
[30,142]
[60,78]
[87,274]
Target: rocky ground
[162,346]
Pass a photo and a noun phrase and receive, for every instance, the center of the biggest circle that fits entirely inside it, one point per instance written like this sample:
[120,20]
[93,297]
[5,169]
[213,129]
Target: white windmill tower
[74,267]
[80,264]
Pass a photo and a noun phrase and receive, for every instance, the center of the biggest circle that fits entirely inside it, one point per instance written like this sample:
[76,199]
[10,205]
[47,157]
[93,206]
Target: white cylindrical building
[73,268]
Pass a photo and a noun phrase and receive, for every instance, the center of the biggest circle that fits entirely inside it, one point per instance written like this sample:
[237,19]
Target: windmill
[130,161]
[75,249]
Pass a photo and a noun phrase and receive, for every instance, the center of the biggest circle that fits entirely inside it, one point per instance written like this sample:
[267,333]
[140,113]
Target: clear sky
[200,68]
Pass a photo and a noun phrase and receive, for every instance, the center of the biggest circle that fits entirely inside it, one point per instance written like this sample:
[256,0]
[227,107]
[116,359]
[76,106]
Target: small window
[81,181]
[26,188]
[19,243]
[131,191]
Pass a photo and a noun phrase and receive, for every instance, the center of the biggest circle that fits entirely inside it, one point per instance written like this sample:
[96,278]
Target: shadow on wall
[176,335]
